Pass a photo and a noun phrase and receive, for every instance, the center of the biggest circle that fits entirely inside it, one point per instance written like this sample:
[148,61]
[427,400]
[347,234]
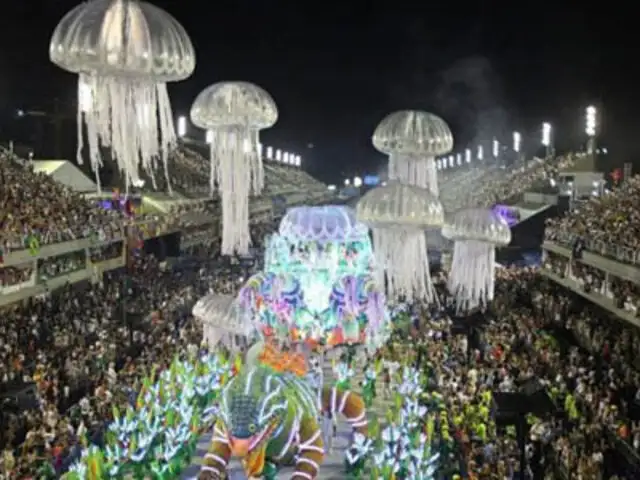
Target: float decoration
[413,139]
[398,215]
[476,233]
[157,438]
[221,321]
[268,417]
[403,447]
[318,285]
[124,53]
[233,113]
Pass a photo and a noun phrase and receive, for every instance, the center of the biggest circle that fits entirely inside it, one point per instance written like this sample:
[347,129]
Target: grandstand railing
[594,245]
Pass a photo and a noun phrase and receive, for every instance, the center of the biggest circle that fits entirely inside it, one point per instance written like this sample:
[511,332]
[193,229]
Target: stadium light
[480,154]
[546,134]
[496,148]
[182,126]
[285,157]
[459,159]
[547,140]
[208,137]
[347,182]
[451,160]
[278,155]
[331,188]
[357,182]
[517,142]
[270,153]
[298,161]
[467,155]
[591,121]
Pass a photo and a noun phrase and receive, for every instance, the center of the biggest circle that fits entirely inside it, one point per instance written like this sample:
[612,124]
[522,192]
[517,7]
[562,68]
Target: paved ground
[332,467]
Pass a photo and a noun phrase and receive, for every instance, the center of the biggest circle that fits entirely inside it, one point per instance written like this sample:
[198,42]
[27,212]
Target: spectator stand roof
[65,172]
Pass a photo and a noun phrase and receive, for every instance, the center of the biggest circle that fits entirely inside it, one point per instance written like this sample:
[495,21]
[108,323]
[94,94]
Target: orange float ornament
[283,361]
[337,336]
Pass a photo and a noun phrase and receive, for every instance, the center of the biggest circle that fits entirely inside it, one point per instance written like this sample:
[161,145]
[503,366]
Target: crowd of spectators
[33,204]
[608,224]
[190,175]
[68,357]
[83,355]
[16,275]
[624,294]
[585,361]
[35,207]
[486,185]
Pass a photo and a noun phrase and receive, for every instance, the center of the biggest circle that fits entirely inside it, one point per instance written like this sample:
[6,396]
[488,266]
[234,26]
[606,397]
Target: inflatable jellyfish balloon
[398,215]
[234,113]
[413,139]
[124,52]
[476,233]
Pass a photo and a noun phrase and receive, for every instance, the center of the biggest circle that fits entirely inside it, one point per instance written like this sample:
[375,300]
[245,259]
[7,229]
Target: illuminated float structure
[318,283]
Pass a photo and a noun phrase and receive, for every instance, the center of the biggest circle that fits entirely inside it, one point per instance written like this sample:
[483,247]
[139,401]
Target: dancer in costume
[343,373]
[369,386]
[268,418]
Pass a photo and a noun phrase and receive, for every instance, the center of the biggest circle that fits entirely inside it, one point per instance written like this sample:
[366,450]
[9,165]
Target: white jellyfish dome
[234,113]
[398,215]
[413,139]
[124,51]
[322,224]
[476,232]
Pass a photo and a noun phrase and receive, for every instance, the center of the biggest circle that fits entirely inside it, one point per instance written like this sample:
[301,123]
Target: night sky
[335,69]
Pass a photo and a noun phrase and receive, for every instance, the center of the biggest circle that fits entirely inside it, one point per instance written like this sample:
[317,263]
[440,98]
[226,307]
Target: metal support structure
[549,152]
[627,172]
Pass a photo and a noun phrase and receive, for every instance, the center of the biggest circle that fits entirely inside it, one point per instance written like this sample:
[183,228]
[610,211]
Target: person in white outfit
[327,432]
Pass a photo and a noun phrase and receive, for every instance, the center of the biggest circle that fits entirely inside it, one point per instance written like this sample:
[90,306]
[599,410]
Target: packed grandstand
[71,358]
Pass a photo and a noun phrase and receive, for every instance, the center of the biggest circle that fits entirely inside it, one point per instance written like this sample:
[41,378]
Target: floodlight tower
[591,128]
[182,126]
[517,146]
[547,141]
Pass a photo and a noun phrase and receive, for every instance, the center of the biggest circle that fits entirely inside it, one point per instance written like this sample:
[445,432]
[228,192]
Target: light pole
[517,144]
[546,140]
[182,126]
[591,128]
